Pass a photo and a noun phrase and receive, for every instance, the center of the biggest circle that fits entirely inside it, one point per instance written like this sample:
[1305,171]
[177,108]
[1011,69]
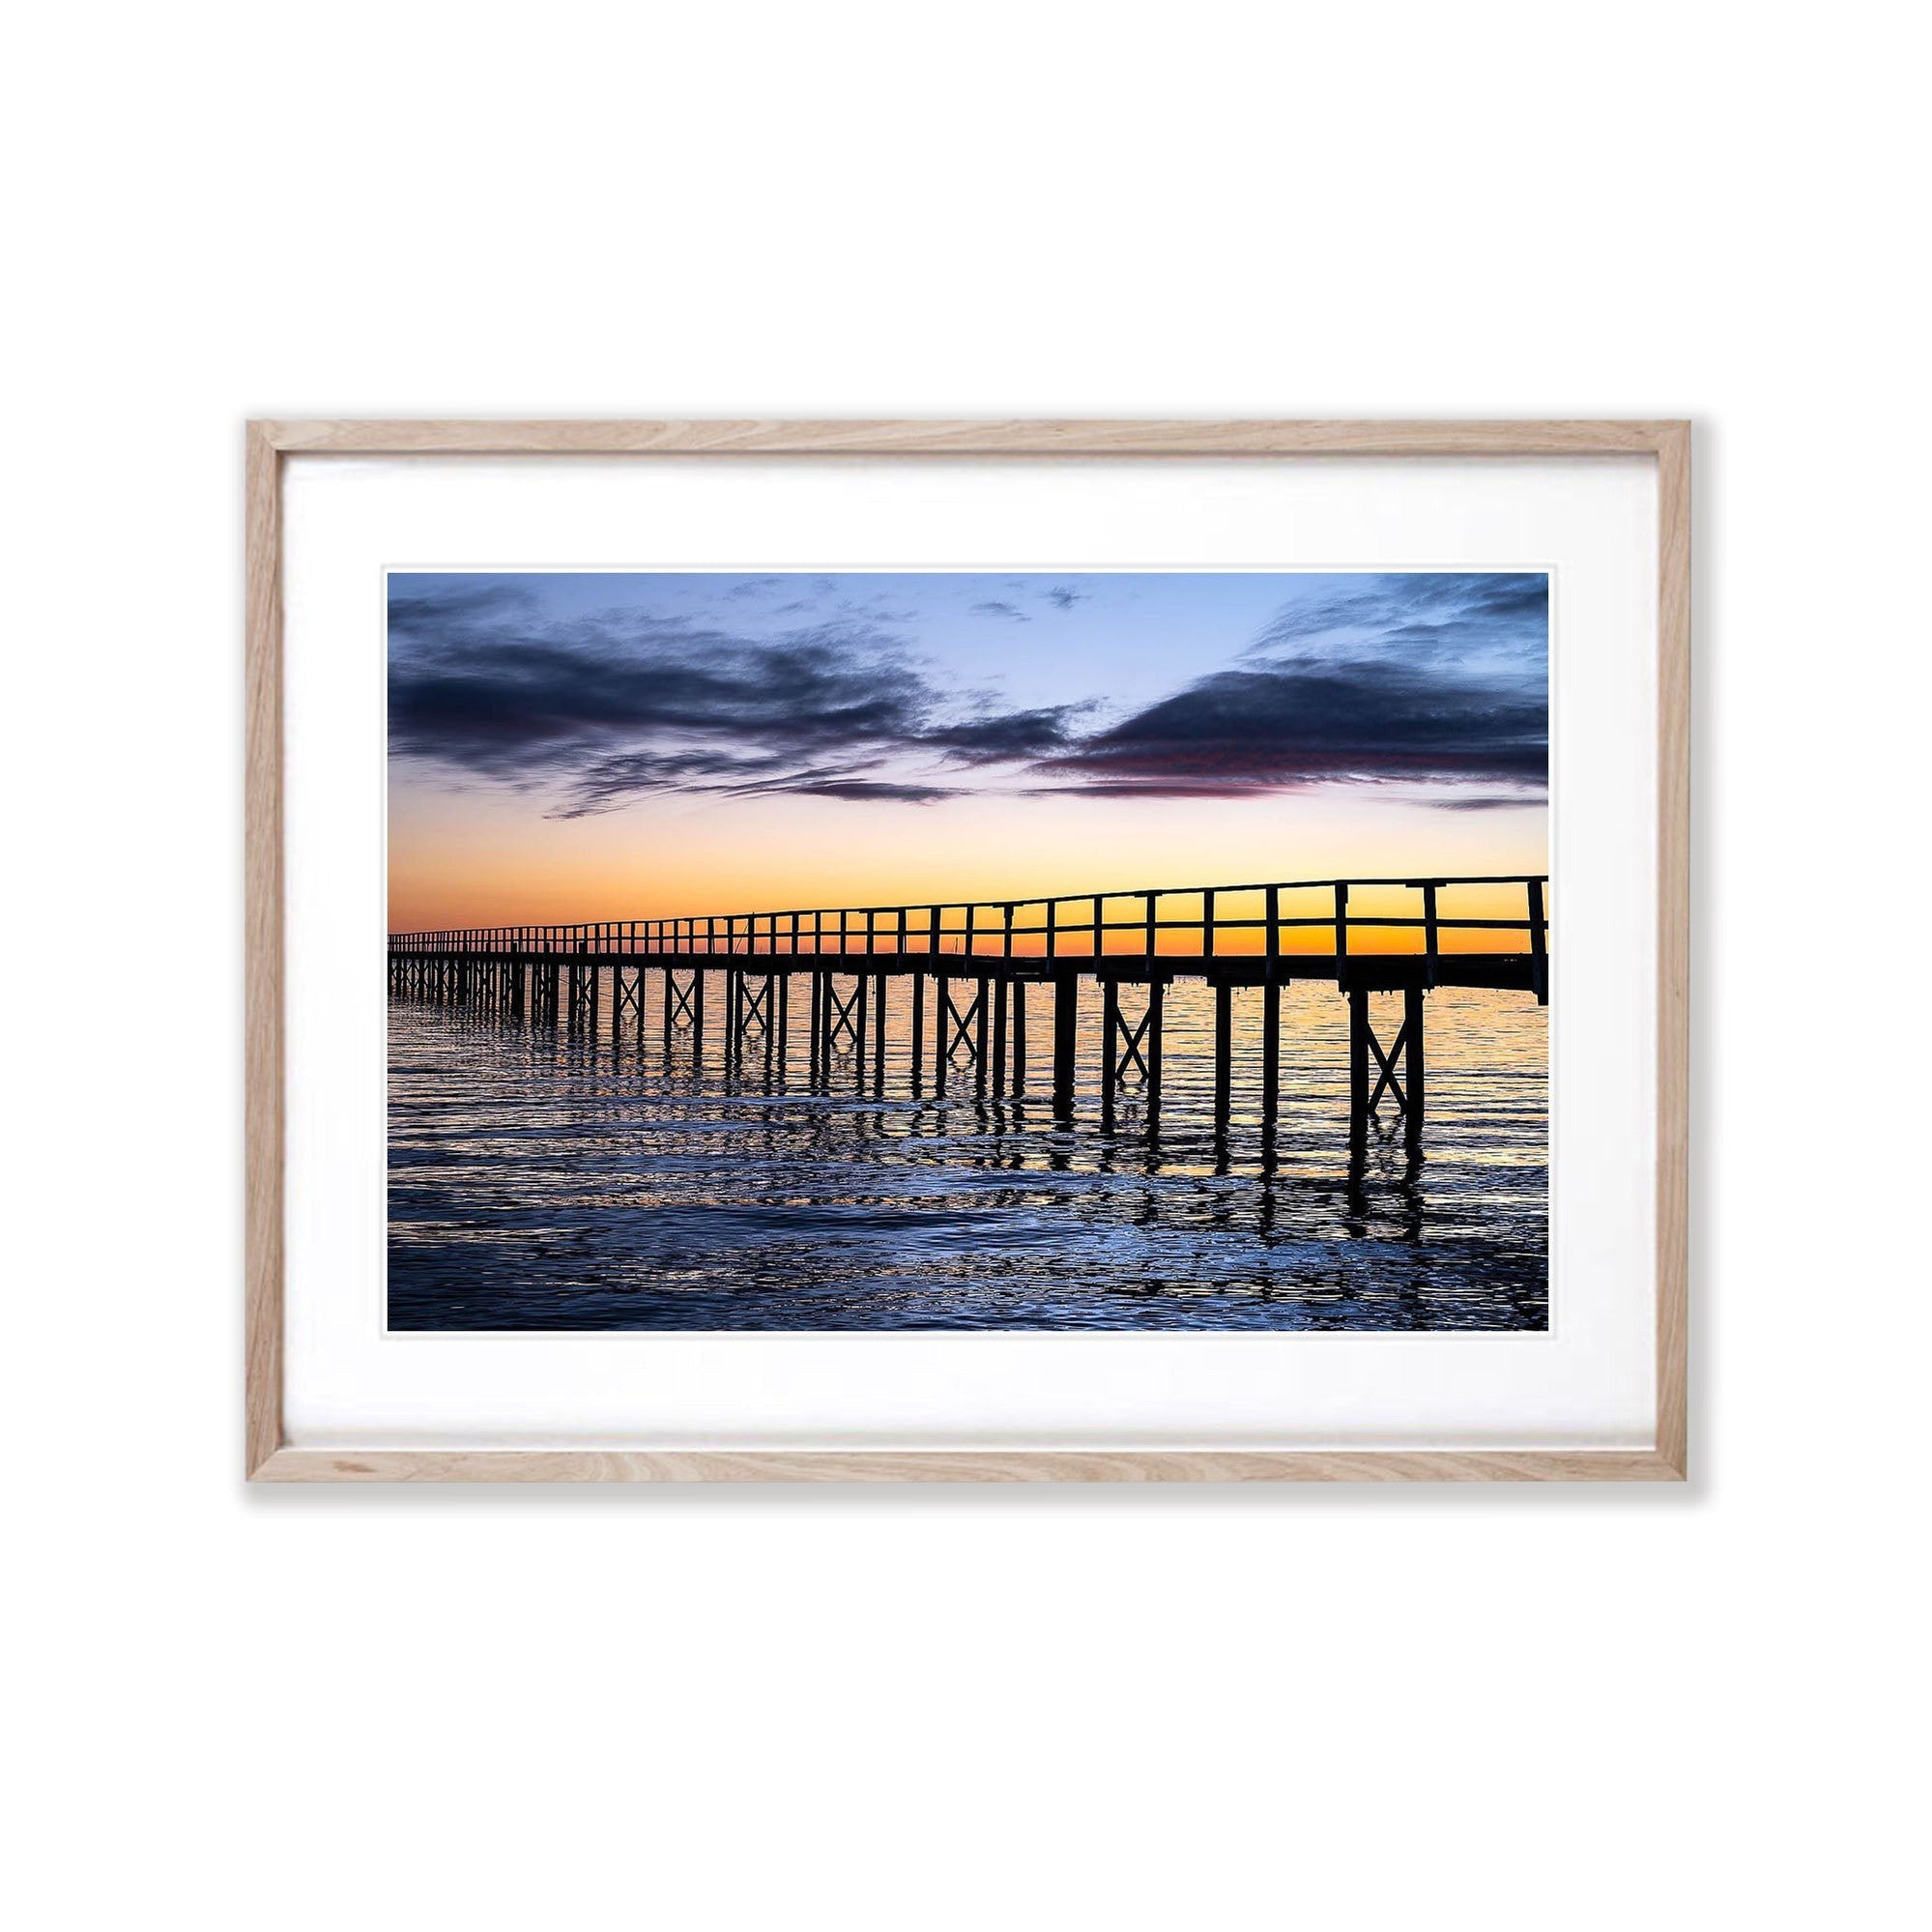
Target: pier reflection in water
[540,1180]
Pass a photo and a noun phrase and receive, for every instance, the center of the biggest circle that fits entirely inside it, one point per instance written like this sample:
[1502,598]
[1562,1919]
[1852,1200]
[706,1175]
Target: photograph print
[939,950]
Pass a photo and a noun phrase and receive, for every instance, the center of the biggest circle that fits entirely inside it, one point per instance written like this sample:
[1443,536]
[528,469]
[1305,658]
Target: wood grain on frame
[1031,438]
[966,1465]
[263,864]
[269,1459]
[1673,943]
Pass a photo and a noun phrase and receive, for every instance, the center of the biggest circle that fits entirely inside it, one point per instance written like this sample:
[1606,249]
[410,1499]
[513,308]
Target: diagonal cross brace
[845,1015]
[1387,1062]
[683,999]
[1131,1040]
[755,1006]
[956,1021]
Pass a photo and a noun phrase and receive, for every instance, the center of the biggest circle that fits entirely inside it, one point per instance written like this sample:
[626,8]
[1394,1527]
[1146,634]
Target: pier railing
[1274,918]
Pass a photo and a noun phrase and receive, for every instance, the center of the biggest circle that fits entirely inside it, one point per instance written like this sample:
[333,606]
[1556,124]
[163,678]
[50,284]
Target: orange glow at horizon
[487,859]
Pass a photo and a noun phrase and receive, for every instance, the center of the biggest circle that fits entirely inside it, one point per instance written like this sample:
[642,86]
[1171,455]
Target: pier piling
[1066,1014]
[1223,1055]
[1271,1053]
[918,1031]
[1358,1069]
[1416,1069]
[982,960]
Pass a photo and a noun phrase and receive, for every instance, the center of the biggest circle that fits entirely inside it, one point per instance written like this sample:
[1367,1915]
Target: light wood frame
[268,1458]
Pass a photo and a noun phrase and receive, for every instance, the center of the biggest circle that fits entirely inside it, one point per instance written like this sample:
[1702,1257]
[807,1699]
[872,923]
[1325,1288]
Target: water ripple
[540,1182]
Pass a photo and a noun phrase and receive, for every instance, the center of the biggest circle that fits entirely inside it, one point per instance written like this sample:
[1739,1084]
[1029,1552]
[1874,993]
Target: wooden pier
[963,973]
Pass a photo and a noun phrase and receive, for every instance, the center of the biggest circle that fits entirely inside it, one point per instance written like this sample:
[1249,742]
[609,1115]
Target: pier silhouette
[964,972]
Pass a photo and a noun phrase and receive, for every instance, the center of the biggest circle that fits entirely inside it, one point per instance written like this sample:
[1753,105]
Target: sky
[580,745]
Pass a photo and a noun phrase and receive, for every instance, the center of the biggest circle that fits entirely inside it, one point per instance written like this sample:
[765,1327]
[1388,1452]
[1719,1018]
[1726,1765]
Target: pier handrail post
[1274,931]
[1151,926]
[1008,953]
[1340,929]
[902,935]
[1207,923]
[1099,925]
[1431,936]
[932,935]
[1052,932]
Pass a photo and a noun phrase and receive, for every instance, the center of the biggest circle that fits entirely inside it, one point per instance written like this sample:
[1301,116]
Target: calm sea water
[541,1182]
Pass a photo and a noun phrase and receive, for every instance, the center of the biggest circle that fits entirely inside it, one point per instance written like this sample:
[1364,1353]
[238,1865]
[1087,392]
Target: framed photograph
[967,951]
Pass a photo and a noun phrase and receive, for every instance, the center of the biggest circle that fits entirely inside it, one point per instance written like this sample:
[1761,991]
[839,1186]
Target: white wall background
[703,1710]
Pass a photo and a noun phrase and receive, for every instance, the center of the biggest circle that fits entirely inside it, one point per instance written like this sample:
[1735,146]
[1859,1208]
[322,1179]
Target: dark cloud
[618,777]
[1283,729]
[1500,615]
[602,708]
[865,787]
[1437,680]
[430,613]
[997,736]
[1063,596]
[994,607]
